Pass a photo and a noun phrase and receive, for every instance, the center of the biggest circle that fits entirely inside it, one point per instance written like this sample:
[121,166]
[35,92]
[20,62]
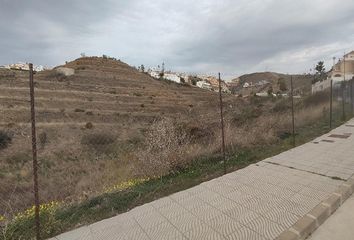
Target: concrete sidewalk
[340,226]
[258,202]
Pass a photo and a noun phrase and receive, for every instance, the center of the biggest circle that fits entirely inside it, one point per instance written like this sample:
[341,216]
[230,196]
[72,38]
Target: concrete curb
[317,216]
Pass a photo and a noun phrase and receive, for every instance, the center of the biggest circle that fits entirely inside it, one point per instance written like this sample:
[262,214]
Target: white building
[174,77]
[343,70]
[246,85]
[154,74]
[204,85]
[168,75]
[24,67]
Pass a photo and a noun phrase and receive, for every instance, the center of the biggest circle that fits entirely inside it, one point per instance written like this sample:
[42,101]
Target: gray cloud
[207,36]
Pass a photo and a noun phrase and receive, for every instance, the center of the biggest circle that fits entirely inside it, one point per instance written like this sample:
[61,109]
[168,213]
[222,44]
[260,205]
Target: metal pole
[343,86]
[331,105]
[34,152]
[331,95]
[351,96]
[292,109]
[222,125]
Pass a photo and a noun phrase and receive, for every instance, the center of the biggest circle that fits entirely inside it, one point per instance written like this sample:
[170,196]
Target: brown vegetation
[145,127]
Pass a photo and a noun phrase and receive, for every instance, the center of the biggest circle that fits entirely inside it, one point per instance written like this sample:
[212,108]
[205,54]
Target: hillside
[302,83]
[103,128]
[88,125]
[101,86]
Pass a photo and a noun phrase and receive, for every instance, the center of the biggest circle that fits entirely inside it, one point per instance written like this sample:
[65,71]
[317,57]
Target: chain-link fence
[110,138]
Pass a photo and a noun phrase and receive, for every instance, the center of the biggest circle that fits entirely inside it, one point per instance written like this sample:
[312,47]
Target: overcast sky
[205,36]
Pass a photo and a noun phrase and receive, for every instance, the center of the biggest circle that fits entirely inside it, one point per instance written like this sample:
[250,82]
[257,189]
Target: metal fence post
[34,152]
[222,125]
[292,109]
[331,105]
[343,89]
[343,100]
[351,96]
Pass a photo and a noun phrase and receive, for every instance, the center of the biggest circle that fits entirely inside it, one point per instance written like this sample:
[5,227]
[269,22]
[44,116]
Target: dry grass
[117,138]
[89,160]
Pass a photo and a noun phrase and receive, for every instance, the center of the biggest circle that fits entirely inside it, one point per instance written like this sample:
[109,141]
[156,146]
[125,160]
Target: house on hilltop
[343,70]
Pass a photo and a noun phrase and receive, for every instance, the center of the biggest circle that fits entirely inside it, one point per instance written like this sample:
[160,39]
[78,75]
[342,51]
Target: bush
[57,76]
[282,106]
[89,125]
[43,139]
[316,99]
[5,139]
[165,149]
[98,139]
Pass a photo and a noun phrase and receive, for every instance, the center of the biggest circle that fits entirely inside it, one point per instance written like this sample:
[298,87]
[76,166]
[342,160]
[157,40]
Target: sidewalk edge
[306,225]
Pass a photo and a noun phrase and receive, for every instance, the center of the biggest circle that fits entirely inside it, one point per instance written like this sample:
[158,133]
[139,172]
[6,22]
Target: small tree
[161,74]
[270,91]
[282,84]
[320,68]
[142,68]
[320,74]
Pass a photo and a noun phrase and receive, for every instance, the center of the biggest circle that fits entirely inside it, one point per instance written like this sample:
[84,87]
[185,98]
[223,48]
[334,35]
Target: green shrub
[5,139]
[89,125]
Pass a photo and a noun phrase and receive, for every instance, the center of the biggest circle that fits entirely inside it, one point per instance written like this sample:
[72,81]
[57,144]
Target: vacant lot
[108,124]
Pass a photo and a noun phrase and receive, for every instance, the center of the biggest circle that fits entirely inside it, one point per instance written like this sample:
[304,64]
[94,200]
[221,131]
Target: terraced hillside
[90,124]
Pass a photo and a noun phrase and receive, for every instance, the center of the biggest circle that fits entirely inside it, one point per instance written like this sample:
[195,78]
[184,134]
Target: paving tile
[204,232]
[191,203]
[293,207]
[245,234]
[266,227]
[172,210]
[164,231]
[239,197]
[224,225]
[207,196]
[286,219]
[150,220]
[181,196]
[206,212]
[320,195]
[115,234]
[186,222]
[120,222]
[82,233]
[162,202]
[245,217]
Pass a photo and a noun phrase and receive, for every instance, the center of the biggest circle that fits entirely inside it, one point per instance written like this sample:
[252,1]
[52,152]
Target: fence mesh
[109,139]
